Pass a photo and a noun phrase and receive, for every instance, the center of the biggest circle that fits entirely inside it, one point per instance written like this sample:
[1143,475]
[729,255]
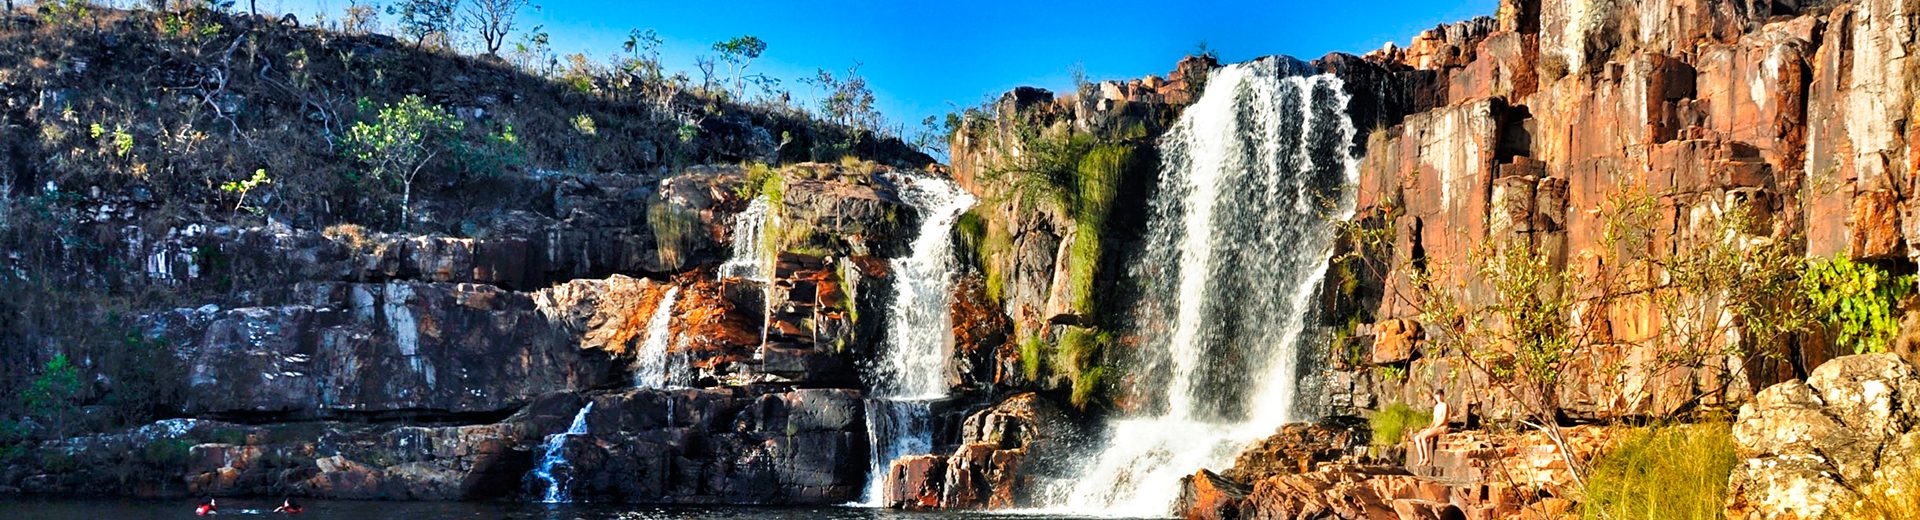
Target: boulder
[1808,445]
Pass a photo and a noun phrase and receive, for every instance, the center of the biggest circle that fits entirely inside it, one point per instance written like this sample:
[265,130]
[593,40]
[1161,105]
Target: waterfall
[749,228]
[1238,238]
[554,472]
[919,332]
[654,364]
[910,373]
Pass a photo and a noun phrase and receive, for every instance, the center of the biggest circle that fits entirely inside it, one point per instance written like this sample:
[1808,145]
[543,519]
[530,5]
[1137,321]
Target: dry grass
[1663,473]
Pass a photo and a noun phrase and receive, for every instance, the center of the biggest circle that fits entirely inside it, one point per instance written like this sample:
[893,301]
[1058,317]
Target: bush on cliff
[1855,302]
[1663,473]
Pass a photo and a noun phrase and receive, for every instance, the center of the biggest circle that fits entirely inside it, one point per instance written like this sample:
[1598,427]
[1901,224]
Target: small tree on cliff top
[739,54]
[422,20]
[403,141]
[493,20]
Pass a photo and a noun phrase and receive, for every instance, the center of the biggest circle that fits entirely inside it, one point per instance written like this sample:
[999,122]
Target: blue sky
[922,57]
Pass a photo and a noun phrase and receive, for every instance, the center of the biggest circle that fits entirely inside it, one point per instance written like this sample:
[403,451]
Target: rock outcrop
[1810,446]
[1005,451]
[1321,471]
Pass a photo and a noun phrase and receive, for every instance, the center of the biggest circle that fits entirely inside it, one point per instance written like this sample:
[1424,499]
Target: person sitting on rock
[1428,439]
[208,508]
[288,507]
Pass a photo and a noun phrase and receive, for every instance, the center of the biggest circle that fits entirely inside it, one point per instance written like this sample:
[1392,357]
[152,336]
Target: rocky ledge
[722,445]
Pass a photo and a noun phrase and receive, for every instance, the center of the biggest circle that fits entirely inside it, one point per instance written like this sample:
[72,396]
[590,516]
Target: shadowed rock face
[368,349]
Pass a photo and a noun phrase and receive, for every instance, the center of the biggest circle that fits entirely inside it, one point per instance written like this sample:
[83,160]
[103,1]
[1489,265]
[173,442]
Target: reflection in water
[248,508]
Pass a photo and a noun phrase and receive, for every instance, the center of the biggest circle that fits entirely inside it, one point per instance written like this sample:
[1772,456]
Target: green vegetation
[402,142]
[426,21]
[241,188]
[166,453]
[1394,422]
[54,396]
[1855,302]
[1080,356]
[1032,352]
[739,54]
[1663,473]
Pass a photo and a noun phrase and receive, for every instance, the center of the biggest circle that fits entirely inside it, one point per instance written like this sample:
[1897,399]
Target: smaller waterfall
[919,329]
[554,471]
[896,429]
[749,230]
[909,375]
[654,364]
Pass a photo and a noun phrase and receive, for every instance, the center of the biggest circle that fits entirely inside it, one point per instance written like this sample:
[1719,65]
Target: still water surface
[31,509]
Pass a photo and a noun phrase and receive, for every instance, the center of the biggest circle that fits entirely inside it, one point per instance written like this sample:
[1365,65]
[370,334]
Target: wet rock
[915,482]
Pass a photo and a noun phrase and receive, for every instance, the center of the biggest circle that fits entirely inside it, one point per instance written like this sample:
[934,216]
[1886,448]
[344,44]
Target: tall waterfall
[554,472]
[919,336]
[749,228]
[1238,238]
[654,363]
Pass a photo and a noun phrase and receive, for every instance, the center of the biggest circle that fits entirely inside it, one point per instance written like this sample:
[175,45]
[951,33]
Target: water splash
[909,374]
[654,364]
[554,472]
[1238,239]
[749,259]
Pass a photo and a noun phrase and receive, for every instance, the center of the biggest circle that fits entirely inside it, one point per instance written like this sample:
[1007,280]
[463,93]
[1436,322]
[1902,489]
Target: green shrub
[1032,352]
[53,396]
[1392,423]
[402,142]
[1663,473]
[166,452]
[1080,356]
[1855,302]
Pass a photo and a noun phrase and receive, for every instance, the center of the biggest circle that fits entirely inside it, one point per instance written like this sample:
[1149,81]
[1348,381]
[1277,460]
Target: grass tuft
[1663,473]
[1392,423]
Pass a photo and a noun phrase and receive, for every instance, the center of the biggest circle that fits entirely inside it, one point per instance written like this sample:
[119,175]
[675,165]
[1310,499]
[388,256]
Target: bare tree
[494,20]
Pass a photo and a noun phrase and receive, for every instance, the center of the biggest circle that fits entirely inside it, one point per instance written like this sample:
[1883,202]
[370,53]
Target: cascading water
[1238,239]
[654,364]
[907,377]
[554,472]
[748,260]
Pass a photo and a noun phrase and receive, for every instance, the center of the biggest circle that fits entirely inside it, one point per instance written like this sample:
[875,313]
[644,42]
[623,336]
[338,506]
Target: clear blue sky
[919,56]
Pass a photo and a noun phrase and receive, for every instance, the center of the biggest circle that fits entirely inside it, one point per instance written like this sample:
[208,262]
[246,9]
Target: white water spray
[654,364]
[909,374]
[1238,239]
[749,229]
[554,471]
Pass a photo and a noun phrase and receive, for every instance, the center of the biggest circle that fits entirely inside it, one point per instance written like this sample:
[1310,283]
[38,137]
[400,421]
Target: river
[70,509]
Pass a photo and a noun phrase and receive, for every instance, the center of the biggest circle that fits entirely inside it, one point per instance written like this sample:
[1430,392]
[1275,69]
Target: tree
[494,20]
[846,101]
[739,53]
[424,19]
[405,140]
[51,396]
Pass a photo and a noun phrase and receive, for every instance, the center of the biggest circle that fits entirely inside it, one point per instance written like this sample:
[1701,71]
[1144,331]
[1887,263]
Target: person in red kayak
[208,508]
[289,507]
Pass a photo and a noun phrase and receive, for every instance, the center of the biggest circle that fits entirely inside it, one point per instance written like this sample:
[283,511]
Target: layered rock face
[491,344]
[1552,114]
